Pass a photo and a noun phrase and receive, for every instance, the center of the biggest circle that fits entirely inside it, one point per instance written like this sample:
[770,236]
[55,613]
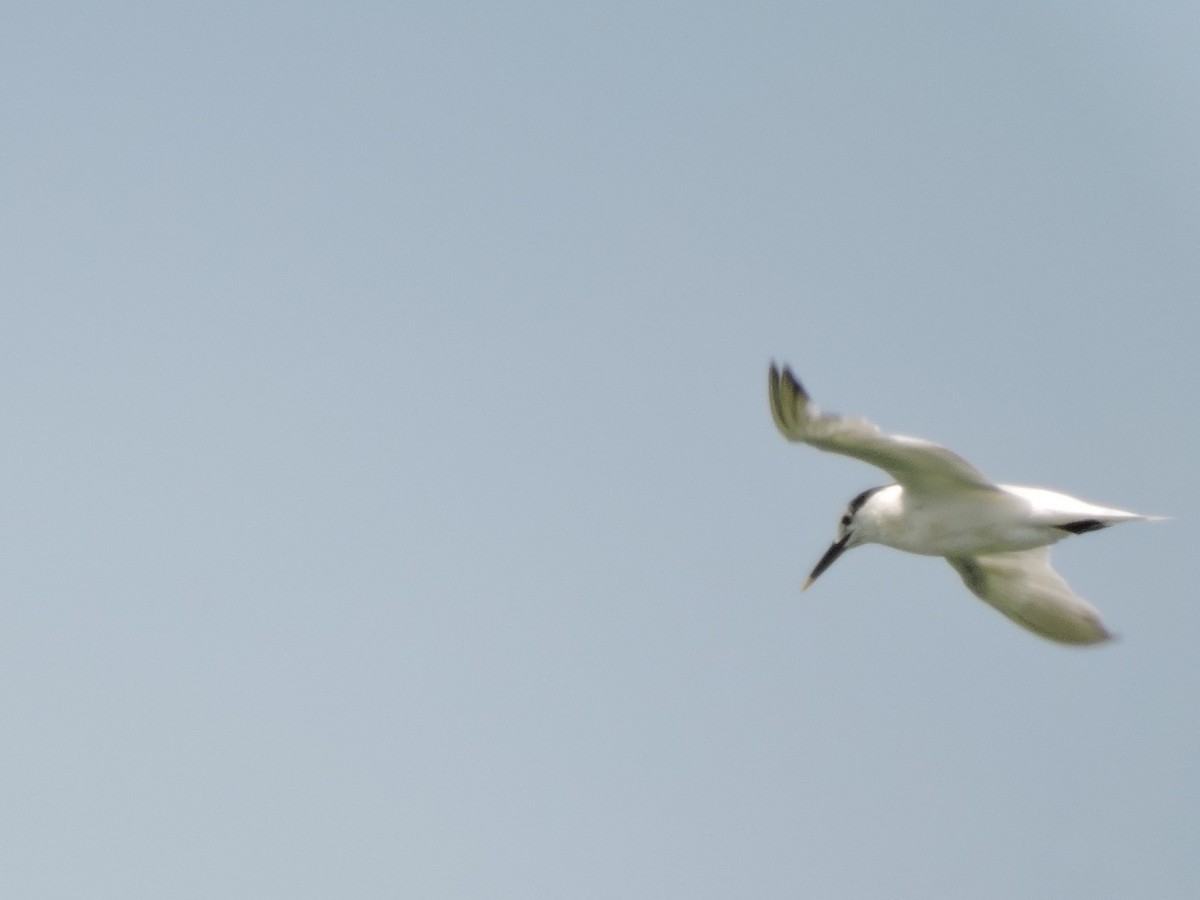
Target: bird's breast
[974,524]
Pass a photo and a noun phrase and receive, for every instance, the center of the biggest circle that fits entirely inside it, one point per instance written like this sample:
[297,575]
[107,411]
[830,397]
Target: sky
[391,505]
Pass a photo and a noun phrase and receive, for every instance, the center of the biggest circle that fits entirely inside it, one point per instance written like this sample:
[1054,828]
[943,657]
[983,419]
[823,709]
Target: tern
[996,536]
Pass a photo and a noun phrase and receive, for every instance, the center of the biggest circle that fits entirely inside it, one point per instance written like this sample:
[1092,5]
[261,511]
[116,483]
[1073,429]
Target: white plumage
[996,536]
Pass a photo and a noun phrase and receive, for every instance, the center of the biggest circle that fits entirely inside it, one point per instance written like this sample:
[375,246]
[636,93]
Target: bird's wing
[917,464]
[1024,587]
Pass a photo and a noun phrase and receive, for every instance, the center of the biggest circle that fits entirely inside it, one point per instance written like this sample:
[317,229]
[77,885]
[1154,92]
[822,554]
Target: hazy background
[390,502]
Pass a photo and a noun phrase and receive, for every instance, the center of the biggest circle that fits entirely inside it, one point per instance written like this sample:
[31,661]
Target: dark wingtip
[794,383]
[1083,526]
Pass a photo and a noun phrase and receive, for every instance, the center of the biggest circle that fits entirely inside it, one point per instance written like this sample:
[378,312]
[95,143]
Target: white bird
[996,536]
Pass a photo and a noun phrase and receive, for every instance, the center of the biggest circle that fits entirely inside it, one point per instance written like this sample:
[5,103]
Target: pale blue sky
[391,504]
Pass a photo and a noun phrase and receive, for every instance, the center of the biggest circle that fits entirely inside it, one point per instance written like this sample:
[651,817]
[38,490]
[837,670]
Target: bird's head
[850,534]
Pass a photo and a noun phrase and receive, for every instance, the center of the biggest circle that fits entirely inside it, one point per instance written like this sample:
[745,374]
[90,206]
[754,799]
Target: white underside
[976,522]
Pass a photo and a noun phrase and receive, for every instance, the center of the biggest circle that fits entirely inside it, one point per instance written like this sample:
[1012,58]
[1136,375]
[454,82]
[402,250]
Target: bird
[997,537]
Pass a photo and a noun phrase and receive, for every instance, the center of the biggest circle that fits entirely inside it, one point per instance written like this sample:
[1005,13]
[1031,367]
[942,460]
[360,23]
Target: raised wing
[1024,587]
[918,465]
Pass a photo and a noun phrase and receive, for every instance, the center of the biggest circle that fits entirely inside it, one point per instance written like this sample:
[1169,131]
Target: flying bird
[996,536]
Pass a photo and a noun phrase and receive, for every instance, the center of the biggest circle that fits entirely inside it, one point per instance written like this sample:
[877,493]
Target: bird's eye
[845,521]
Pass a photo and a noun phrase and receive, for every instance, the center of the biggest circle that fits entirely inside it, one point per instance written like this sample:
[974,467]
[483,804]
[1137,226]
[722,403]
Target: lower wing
[1024,587]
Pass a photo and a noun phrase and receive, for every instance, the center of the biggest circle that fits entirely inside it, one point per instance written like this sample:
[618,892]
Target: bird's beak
[836,549]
